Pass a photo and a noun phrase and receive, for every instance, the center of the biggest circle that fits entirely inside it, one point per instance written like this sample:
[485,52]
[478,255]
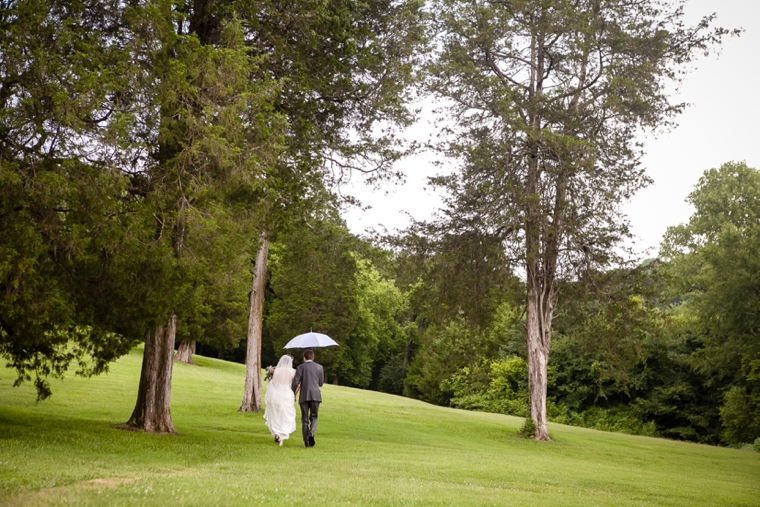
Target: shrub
[740,415]
[503,390]
[528,429]
[391,379]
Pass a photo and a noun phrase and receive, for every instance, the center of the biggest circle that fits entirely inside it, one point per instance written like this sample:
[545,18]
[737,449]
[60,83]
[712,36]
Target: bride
[280,412]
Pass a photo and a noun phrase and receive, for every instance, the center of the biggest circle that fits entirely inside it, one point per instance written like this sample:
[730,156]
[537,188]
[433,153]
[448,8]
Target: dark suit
[310,376]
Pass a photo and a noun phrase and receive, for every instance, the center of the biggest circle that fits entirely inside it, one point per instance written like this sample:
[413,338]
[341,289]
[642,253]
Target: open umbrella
[310,340]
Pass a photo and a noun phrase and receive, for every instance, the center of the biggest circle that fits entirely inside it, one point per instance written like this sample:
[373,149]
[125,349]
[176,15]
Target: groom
[309,378]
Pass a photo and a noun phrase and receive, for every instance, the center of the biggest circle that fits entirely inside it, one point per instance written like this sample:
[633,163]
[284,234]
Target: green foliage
[392,375]
[543,103]
[502,387]
[674,396]
[215,310]
[80,280]
[626,357]
[714,258]
[620,419]
[320,282]
[143,145]
[312,280]
[727,195]
[667,348]
[740,415]
[605,328]
[506,391]
[346,68]
[376,333]
[441,352]
[449,274]
[528,429]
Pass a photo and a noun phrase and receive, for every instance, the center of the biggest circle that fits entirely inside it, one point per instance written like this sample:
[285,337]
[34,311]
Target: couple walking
[286,382]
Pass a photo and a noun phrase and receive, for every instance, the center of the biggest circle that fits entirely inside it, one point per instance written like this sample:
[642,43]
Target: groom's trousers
[309,411]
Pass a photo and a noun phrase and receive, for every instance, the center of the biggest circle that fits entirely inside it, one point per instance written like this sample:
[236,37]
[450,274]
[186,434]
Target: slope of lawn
[372,449]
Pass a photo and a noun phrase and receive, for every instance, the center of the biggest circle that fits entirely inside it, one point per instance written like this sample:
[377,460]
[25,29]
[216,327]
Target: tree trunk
[539,308]
[537,338]
[185,351]
[538,357]
[220,355]
[252,393]
[539,283]
[152,411]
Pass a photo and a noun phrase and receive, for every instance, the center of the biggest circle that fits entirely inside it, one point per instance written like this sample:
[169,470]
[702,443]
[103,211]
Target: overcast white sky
[720,126]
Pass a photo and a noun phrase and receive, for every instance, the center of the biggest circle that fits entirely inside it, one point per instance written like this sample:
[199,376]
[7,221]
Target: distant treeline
[668,347]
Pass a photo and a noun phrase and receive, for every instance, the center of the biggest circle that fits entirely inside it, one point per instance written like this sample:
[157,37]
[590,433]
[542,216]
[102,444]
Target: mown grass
[372,449]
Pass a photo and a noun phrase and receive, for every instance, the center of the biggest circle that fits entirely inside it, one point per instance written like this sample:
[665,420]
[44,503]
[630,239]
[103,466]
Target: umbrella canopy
[310,340]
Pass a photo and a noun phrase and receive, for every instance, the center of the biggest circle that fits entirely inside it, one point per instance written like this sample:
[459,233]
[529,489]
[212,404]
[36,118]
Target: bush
[501,388]
[740,415]
[528,429]
[618,419]
[392,376]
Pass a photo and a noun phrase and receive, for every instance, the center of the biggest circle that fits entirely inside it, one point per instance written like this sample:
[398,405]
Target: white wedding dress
[280,412]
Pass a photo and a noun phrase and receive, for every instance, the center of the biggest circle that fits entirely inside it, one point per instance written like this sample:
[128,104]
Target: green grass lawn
[372,449]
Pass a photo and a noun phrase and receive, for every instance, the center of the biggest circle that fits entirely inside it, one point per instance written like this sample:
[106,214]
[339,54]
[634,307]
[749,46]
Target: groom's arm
[321,376]
[296,381]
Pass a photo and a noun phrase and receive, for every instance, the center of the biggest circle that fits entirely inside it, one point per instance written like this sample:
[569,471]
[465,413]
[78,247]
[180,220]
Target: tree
[457,283]
[544,99]
[252,392]
[212,137]
[453,272]
[321,281]
[78,280]
[346,68]
[130,131]
[616,346]
[377,334]
[715,257]
[313,283]
[189,101]
[214,312]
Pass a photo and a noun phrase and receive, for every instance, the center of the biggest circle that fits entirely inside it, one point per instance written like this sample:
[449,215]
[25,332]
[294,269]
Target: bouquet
[270,373]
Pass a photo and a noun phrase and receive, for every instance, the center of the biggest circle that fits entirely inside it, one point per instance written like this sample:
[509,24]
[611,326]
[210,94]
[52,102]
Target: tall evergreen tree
[210,140]
[76,266]
[544,100]
[314,287]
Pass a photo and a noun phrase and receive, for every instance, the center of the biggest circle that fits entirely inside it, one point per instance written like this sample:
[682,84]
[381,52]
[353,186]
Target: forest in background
[171,171]
[664,347]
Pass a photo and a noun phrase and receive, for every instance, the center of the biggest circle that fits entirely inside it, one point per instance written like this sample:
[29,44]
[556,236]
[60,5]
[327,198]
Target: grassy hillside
[372,449]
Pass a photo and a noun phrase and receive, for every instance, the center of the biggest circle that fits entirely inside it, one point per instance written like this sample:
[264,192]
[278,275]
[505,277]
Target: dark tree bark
[220,355]
[252,392]
[407,354]
[185,351]
[152,411]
